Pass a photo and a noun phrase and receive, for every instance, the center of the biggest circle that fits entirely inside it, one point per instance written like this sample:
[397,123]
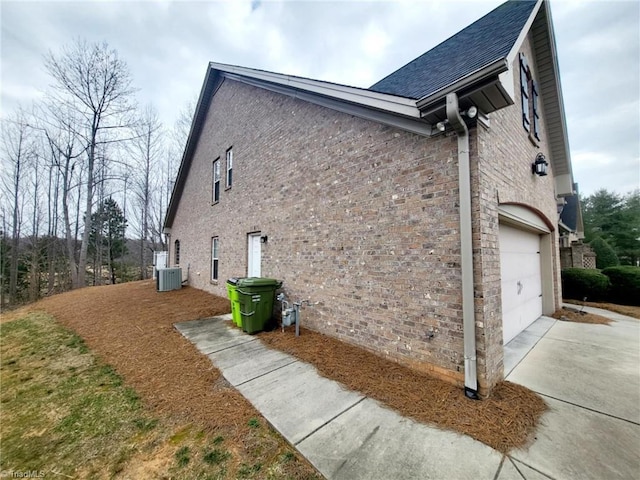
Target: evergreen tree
[107,238]
[605,255]
[616,220]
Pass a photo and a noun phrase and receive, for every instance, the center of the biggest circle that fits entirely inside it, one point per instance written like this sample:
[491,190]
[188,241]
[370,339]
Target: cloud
[168,44]
[596,170]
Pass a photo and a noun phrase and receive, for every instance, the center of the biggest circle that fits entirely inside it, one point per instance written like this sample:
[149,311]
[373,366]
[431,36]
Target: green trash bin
[232,291]
[255,295]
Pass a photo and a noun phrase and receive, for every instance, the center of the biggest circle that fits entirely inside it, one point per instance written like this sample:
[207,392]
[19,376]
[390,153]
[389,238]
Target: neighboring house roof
[482,43]
[571,215]
[476,64]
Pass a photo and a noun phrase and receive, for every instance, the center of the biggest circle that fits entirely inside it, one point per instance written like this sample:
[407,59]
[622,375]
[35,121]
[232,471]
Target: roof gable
[475,64]
[482,43]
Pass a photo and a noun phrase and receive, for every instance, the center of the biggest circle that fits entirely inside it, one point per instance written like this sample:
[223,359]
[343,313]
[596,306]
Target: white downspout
[466,249]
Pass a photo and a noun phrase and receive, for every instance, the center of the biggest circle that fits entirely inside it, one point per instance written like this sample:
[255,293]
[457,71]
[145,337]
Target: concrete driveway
[589,375]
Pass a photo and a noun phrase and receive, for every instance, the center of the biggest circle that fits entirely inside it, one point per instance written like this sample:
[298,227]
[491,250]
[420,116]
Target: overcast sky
[168,45]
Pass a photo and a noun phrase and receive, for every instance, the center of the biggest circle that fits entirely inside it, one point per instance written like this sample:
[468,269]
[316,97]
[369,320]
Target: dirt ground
[131,327]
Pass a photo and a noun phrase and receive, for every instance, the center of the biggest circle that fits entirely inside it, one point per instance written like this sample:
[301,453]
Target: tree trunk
[34,270]
[68,234]
[15,230]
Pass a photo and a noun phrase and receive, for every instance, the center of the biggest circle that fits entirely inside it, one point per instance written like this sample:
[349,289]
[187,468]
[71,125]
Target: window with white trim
[215,247]
[229,175]
[176,252]
[215,194]
[529,94]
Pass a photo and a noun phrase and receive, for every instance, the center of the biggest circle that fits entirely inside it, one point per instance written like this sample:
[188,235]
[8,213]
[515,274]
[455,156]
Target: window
[214,258]
[529,94]
[176,251]
[216,181]
[229,178]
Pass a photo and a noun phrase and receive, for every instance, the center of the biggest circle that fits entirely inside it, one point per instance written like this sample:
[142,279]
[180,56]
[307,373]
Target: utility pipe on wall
[466,249]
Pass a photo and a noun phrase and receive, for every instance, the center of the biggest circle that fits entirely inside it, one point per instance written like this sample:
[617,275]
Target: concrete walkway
[588,374]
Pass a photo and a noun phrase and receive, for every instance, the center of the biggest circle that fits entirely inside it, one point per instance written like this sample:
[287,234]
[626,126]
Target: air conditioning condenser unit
[169,279]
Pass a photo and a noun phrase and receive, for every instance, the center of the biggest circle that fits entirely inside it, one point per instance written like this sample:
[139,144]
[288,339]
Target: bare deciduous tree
[146,149]
[16,150]
[93,81]
[65,148]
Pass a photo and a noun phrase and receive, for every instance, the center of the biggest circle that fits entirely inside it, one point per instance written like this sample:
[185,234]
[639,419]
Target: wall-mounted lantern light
[263,239]
[540,166]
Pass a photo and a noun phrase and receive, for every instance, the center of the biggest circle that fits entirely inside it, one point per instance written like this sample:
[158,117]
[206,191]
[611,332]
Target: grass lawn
[64,413]
[103,386]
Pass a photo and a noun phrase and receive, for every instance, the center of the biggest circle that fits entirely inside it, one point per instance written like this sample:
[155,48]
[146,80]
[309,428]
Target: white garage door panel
[521,280]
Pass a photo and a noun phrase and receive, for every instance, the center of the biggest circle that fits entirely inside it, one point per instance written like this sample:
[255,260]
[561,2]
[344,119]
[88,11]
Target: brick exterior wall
[502,175]
[577,255]
[362,220]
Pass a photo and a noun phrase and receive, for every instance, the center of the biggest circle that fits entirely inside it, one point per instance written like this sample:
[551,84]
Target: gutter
[360,96]
[466,249]
[493,69]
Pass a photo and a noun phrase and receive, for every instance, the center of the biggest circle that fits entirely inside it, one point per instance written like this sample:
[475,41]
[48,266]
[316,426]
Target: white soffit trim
[521,217]
[564,227]
[381,101]
[564,185]
[494,68]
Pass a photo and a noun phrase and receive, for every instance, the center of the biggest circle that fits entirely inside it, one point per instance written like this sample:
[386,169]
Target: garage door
[521,280]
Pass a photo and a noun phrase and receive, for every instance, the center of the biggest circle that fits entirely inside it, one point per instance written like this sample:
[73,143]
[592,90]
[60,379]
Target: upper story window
[529,94]
[176,252]
[216,181]
[229,176]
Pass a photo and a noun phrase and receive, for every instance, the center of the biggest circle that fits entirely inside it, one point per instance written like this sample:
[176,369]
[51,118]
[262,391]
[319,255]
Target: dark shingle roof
[480,44]
[569,215]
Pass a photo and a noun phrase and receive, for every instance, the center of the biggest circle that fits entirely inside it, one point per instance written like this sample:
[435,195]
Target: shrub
[625,284]
[578,283]
[605,254]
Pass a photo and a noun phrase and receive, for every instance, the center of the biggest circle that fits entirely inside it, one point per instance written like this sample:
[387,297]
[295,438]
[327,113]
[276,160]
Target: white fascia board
[507,83]
[506,78]
[511,57]
[367,98]
[494,68]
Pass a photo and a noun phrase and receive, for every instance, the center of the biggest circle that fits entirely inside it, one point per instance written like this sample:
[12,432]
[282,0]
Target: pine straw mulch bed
[628,310]
[575,315]
[504,421]
[131,327]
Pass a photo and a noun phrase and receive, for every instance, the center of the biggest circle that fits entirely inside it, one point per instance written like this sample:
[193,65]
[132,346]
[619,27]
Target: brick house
[416,226]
